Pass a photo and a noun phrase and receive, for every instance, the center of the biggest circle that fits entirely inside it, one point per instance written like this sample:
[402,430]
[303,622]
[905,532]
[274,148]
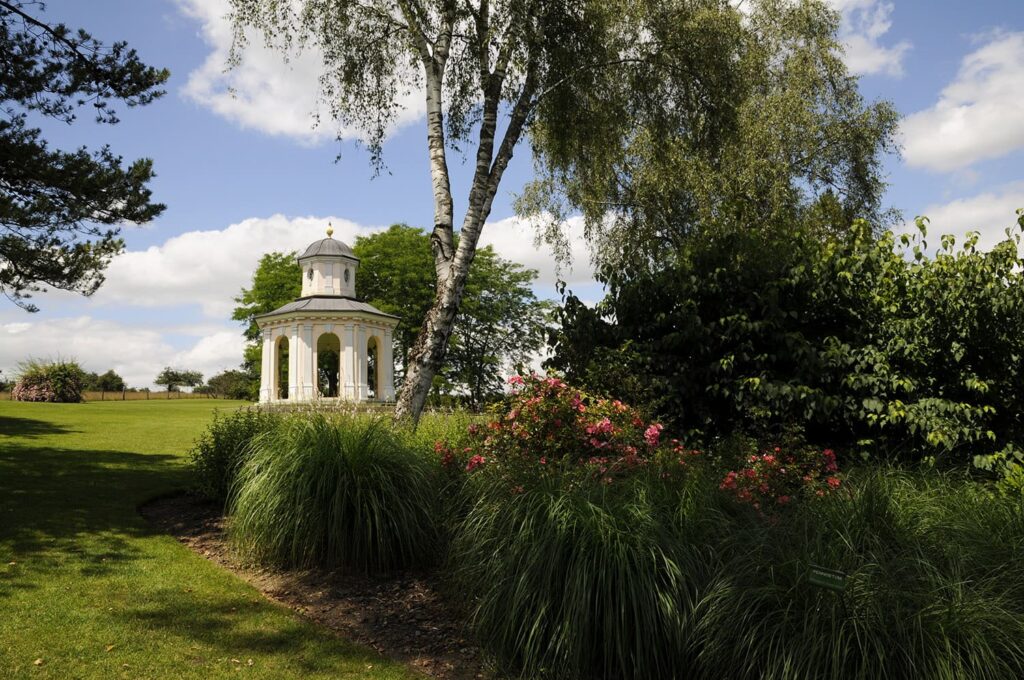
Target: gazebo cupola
[327,344]
[329,268]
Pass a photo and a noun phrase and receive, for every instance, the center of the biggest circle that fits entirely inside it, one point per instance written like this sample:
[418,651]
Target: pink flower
[783,500]
[543,460]
[516,380]
[653,433]
[603,426]
[833,482]
[475,462]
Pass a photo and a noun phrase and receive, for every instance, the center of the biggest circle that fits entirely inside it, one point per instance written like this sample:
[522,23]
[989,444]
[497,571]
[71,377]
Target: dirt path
[403,616]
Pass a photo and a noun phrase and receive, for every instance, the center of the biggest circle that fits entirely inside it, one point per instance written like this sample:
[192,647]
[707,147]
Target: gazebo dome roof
[328,247]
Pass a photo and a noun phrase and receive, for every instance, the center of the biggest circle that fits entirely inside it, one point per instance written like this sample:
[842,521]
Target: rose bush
[549,428]
[773,479]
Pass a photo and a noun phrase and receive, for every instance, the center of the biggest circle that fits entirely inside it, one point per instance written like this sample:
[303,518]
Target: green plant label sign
[827,578]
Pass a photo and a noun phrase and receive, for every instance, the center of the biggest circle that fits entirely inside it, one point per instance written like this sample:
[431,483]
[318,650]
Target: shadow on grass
[235,624]
[11,426]
[65,508]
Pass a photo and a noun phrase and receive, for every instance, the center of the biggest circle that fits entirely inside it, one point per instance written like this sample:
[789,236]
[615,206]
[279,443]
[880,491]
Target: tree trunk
[452,264]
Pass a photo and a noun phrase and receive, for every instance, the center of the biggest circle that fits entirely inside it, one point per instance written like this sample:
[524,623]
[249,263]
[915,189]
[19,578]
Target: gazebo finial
[330,230]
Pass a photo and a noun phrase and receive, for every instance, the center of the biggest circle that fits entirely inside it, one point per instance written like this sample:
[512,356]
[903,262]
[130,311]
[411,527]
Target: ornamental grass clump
[933,589]
[570,551]
[335,491]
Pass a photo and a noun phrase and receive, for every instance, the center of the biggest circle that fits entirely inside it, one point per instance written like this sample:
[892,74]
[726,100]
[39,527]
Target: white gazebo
[327,344]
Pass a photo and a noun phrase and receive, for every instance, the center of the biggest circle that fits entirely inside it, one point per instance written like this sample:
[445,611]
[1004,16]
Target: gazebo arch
[373,367]
[280,367]
[327,365]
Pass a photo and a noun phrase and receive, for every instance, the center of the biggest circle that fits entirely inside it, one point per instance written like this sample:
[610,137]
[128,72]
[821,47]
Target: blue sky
[245,174]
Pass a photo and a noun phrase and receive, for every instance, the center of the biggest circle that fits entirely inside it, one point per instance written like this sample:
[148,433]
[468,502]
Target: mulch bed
[403,615]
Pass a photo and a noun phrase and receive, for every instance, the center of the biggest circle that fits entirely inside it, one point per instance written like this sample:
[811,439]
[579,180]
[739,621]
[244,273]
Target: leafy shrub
[335,490]
[1008,465]
[219,452]
[53,381]
[864,340]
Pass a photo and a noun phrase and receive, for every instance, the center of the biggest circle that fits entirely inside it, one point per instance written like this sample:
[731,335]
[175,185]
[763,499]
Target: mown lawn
[89,590]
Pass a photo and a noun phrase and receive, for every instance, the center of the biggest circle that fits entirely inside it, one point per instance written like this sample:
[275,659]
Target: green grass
[95,592]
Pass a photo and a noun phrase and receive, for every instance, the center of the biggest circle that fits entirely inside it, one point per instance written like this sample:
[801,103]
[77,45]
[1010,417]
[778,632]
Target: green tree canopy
[61,212]
[175,378]
[106,382]
[276,282]
[396,275]
[230,385]
[501,327]
[791,140]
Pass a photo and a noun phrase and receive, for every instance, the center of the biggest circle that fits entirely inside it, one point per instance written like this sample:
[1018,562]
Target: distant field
[89,590]
[129,396]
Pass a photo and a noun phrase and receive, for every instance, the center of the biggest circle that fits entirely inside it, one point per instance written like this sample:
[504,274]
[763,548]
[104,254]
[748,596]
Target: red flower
[833,482]
[476,461]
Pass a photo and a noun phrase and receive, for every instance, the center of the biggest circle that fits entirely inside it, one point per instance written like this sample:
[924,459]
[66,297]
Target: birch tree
[564,72]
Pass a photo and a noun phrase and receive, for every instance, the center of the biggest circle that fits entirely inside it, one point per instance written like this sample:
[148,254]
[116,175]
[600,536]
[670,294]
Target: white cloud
[863,30]
[979,115]
[136,353]
[209,268]
[266,92]
[989,213]
[513,239]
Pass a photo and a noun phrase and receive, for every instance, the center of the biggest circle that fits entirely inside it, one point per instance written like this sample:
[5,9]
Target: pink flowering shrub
[550,428]
[54,381]
[775,478]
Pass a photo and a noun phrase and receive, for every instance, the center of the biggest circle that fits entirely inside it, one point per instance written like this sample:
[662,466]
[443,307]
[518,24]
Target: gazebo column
[387,360]
[362,388]
[349,362]
[309,364]
[267,367]
[293,363]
